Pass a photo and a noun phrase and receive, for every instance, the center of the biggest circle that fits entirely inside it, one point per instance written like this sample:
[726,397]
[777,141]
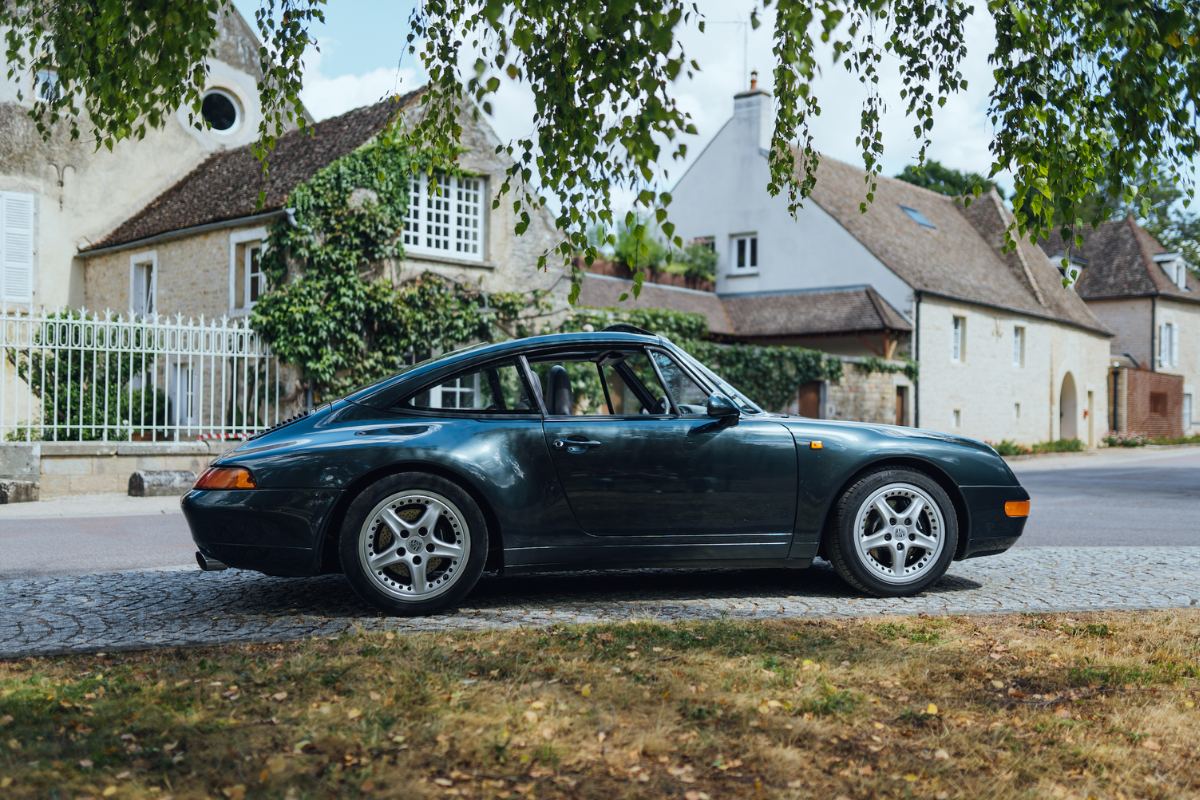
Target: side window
[493,389]
[689,395]
[600,382]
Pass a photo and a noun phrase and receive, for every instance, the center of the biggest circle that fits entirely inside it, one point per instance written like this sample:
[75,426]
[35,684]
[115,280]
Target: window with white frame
[1168,345]
[743,253]
[247,284]
[1187,411]
[1176,268]
[143,284]
[958,340]
[1018,346]
[45,85]
[446,216]
[16,247]
[958,418]
[1016,410]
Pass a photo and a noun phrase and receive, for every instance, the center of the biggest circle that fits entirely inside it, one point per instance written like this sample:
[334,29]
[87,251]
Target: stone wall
[64,468]
[868,397]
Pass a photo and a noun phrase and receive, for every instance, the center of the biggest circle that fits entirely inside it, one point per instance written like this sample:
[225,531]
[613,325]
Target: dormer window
[918,218]
[1175,266]
[1073,271]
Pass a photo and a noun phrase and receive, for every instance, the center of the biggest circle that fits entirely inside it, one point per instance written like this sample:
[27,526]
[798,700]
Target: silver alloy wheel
[414,545]
[899,533]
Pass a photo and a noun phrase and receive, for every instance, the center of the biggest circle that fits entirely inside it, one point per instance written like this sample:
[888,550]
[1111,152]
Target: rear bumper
[991,531]
[275,531]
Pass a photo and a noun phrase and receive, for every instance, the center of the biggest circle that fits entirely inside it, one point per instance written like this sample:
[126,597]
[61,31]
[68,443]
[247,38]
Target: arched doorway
[1068,411]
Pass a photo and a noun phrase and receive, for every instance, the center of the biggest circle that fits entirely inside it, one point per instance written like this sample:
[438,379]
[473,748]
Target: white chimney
[754,116]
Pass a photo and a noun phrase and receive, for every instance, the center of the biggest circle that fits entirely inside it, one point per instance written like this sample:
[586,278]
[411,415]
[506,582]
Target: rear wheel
[894,533]
[413,544]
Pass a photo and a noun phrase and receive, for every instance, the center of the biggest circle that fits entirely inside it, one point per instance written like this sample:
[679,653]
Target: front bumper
[275,531]
[990,530]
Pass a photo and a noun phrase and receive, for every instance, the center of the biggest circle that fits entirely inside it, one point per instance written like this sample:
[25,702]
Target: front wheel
[413,544]
[894,533]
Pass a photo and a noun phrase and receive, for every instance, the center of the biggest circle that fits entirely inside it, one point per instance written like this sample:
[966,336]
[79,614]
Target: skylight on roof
[919,218]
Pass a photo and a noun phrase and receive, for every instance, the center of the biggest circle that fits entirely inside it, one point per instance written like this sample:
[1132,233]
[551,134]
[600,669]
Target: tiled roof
[603,292]
[1120,263]
[958,258]
[226,185]
[837,311]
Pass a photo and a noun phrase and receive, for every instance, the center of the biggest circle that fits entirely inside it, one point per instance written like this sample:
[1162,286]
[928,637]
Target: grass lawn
[1030,706]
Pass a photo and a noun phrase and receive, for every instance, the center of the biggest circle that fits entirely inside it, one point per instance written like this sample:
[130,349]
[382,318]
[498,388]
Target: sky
[362,58]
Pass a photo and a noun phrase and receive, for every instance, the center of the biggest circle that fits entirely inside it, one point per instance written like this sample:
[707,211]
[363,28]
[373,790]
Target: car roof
[382,393]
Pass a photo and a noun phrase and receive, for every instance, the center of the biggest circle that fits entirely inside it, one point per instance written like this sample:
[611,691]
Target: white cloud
[326,96]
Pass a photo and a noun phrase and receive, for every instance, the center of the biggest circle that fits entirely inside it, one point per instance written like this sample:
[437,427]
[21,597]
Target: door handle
[575,446]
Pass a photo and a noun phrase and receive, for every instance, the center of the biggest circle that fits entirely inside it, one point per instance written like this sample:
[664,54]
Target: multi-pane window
[46,86]
[143,286]
[744,255]
[1168,345]
[958,418]
[445,216]
[248,280]
[958,339]
[1018,346]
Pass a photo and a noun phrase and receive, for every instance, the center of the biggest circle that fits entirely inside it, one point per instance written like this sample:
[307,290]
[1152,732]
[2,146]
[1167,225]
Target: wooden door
[901,404]
[810,400]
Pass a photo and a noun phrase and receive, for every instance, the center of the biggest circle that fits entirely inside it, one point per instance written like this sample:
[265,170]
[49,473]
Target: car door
[630,465]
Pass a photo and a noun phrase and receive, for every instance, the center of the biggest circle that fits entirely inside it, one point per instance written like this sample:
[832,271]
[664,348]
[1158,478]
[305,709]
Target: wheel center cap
[415,545]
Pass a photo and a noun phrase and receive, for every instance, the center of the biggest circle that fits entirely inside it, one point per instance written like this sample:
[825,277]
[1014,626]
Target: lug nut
[887,537]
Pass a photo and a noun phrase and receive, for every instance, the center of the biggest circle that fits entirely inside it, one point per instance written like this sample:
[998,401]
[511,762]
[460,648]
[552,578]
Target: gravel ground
[167,608]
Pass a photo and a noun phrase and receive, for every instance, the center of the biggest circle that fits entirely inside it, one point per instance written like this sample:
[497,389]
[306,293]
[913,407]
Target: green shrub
[1008,447]
[1120,439]
[1059,446]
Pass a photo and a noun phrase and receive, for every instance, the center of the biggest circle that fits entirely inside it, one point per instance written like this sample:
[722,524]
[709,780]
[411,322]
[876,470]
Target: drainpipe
[917,358]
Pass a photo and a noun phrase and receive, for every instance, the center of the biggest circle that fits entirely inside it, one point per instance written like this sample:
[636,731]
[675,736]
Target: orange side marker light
[226,478]
[816,445]
[1017,508]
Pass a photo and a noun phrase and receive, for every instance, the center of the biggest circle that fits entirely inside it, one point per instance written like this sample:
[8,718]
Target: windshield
[745,403]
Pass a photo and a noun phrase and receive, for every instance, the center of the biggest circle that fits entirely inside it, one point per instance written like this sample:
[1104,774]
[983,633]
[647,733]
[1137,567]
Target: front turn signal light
[226,478]
[1017,508]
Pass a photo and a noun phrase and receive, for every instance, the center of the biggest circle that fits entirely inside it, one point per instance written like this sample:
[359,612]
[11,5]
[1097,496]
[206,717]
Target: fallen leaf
[585,691]
[389,635]
[941,755]
[354,713]
[1150,744]
[931,710]
[236,792]
[376,696]
[531,716]
[911,778]
[110,791]
[443,781]
[368,786]
[14,745]
[547,733]
[85,764]
[997,684]
[7,718]
[538,704]
[276,764]
[279,696]
[5,783]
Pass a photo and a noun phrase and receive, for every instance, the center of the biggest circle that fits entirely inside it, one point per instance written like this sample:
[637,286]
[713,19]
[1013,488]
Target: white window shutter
[1174,346]
[1160,345]
[16,244]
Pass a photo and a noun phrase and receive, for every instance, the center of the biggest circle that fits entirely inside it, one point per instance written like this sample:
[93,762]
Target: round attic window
[220,110]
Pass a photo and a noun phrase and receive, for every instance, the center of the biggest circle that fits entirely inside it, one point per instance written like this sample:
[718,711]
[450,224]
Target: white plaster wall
[985,385]
[1186,318]
[725,193]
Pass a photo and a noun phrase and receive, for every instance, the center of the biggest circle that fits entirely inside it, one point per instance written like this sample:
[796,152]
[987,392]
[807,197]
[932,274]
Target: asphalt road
[1115,499]
[1124,499]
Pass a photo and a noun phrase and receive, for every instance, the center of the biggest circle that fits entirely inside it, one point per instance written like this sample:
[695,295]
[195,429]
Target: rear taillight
[226,478]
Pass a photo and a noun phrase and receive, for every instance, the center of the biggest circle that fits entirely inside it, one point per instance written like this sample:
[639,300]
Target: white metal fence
[80,376]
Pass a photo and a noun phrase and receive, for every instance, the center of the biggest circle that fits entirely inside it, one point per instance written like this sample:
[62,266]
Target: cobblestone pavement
[151,609]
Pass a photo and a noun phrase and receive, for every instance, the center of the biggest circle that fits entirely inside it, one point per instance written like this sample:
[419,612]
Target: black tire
[457,525]
[864,567]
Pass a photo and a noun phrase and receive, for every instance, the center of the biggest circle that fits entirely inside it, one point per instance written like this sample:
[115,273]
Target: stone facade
[1056,390]
[880,397]
[80,193]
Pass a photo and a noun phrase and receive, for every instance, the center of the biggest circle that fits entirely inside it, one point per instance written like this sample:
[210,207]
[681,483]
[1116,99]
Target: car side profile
[613,449]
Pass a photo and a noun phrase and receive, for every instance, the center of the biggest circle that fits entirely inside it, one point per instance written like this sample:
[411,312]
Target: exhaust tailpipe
[209,564]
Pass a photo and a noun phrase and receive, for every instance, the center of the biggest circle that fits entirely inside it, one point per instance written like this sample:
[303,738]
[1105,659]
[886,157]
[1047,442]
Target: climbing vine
[332,310]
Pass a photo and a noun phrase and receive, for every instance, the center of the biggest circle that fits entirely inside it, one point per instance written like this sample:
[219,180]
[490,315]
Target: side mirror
[721,406]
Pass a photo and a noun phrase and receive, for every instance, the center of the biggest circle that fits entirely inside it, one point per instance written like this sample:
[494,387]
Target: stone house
[59,196]
[194,249]
[1151,301]
[1005,351]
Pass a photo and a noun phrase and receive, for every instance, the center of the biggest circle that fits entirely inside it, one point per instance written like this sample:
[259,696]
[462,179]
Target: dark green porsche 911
[613,449]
